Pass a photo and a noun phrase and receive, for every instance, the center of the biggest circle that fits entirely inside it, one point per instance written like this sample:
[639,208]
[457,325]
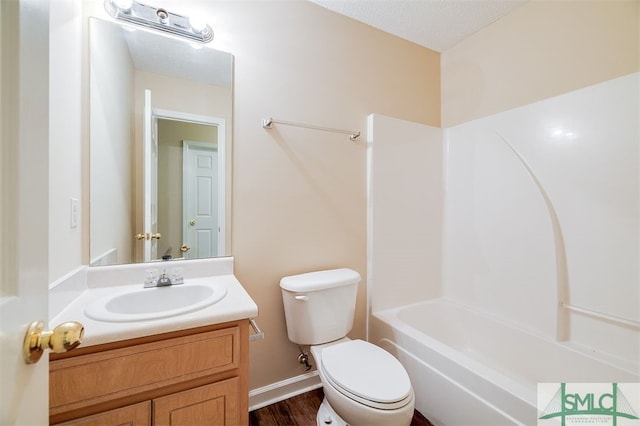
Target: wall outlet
[74,212]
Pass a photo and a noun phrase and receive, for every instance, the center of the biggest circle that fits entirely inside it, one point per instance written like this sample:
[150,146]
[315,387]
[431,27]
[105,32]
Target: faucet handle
[151,277]
[176,276]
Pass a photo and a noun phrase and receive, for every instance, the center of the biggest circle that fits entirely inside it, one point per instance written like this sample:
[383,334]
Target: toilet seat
[367,373]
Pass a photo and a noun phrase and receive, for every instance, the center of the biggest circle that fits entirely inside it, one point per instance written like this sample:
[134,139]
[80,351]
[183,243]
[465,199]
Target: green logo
[584,405]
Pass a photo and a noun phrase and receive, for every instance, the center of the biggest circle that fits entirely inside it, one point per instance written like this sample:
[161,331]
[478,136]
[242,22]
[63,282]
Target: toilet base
[327,416]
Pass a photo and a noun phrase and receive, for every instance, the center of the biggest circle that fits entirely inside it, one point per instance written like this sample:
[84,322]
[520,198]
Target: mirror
[160,144]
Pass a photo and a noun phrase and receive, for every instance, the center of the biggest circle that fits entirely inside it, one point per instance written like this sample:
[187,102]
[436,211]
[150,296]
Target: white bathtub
[469,369]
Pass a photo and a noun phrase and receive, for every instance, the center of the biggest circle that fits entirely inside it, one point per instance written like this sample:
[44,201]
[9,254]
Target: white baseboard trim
[279,391]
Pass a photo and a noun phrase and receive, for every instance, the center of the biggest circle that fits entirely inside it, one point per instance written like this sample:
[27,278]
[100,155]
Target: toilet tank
[319,306]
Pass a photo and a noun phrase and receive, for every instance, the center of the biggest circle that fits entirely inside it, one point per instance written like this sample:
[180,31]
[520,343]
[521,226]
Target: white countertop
[236,305]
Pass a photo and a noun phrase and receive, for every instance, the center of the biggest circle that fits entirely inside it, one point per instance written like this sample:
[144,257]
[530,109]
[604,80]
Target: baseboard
[279,391]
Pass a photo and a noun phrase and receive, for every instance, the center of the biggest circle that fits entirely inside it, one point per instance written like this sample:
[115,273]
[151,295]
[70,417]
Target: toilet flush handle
[301,297]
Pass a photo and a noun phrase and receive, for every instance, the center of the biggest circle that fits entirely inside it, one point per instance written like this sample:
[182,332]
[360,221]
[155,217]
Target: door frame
[149,179]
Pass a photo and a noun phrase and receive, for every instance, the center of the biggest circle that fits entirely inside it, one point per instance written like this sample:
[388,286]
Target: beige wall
[542,49]
[299,196]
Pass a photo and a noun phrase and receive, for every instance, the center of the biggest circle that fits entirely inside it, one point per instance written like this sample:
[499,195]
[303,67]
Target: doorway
[188,204]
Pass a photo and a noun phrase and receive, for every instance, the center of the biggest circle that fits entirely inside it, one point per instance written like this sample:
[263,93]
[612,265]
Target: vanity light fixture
[161,19]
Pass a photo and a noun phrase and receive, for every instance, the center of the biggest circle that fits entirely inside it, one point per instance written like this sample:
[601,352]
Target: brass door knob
[184,248]
[63,338]
[148,236]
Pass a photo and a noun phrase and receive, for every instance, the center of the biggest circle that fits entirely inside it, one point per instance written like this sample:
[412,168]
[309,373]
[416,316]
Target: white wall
[405,211]
[111,130]
[65,137]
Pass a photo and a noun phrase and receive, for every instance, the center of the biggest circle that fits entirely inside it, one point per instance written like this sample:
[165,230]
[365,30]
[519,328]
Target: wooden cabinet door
[132,415]
[210,405]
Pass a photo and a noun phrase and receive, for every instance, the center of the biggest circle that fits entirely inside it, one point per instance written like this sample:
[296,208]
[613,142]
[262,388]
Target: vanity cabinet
[190,377]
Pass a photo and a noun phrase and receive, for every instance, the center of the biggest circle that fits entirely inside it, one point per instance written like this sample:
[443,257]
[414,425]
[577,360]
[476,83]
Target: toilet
[362,383]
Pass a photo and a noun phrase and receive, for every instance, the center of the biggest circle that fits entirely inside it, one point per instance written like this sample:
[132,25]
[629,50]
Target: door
[201,227]
[150,181]
[24,188]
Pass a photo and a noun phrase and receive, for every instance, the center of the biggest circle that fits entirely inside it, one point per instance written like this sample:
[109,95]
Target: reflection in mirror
[160,129]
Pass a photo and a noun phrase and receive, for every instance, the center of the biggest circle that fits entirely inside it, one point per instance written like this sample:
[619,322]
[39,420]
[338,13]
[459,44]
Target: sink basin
[141,304]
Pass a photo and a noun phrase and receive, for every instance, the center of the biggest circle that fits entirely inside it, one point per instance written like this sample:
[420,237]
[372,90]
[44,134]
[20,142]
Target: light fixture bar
[157,18]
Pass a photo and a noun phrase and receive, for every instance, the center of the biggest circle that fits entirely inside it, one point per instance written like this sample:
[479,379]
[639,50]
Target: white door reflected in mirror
[202,201]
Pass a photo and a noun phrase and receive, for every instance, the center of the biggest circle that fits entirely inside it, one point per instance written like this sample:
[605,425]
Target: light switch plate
[74,212]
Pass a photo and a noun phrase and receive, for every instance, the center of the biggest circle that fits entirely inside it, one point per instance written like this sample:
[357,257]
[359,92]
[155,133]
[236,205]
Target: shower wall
[405,207]
[537,199]
[501,252]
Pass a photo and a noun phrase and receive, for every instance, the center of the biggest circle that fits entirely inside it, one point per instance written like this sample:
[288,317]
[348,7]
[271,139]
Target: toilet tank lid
[320,280]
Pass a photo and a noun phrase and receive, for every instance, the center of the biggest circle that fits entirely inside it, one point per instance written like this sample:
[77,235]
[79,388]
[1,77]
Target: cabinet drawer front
[132,415]
[95,378]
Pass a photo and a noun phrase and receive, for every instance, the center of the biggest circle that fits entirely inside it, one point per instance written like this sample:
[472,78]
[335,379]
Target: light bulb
[198,24]
[123,4]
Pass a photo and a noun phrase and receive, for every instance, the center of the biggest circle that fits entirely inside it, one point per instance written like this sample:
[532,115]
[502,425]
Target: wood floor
[301,411]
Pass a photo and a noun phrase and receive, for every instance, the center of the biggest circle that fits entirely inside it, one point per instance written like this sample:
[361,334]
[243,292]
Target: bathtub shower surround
[499,243]
[460,357]
[540,207]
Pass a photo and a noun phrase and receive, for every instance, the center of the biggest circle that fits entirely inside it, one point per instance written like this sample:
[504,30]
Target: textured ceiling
[154,52]
[435,24]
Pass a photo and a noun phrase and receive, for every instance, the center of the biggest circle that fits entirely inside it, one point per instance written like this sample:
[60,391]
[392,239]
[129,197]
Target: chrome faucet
[153,280]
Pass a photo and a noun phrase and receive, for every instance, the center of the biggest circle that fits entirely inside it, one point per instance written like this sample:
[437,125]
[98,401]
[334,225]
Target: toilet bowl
[363,385]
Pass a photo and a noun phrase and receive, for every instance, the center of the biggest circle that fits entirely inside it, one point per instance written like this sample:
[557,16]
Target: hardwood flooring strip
[301,411]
